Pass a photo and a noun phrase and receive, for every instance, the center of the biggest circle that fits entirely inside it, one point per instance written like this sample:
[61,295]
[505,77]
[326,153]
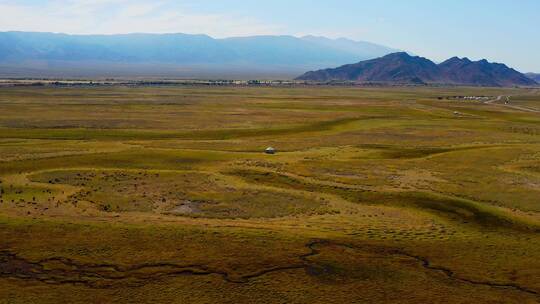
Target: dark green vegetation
[454,208]
[163,194]
[194,194]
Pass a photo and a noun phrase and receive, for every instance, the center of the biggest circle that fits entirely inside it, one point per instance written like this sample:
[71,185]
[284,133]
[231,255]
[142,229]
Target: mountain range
[534,76]
[403,68]
[175,54]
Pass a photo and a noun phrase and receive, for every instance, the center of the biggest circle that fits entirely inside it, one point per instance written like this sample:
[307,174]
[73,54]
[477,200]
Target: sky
[498,30]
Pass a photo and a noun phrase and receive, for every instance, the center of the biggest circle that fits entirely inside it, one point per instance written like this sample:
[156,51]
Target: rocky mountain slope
[402,68]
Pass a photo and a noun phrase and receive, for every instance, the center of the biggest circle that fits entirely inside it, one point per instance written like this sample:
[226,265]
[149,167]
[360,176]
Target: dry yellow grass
[164,194]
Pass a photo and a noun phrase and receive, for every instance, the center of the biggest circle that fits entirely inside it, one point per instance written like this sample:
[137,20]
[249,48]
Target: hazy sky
[503,31]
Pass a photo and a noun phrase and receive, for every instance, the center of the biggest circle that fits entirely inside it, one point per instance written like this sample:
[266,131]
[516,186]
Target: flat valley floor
[165,195]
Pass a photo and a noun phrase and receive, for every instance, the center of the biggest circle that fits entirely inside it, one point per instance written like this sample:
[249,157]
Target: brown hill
[481,73]
[401,68]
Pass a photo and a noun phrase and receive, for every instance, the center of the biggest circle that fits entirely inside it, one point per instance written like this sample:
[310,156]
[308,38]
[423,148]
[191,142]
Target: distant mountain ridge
[402,68]
[362,49]
[534,76]
[279,53]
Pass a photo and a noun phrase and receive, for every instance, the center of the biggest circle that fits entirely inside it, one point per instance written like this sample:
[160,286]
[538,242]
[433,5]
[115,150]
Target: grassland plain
[163,194]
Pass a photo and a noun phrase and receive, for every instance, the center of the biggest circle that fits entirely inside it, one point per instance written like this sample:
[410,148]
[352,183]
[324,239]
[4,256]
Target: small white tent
[270,150]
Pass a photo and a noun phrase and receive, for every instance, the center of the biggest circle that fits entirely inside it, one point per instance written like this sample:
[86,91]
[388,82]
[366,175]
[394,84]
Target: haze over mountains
[31,54]
[401,68]
[179,55]
[534,76]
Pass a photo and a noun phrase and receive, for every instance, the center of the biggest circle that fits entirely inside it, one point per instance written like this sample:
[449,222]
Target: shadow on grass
[456,209]
[121,134]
